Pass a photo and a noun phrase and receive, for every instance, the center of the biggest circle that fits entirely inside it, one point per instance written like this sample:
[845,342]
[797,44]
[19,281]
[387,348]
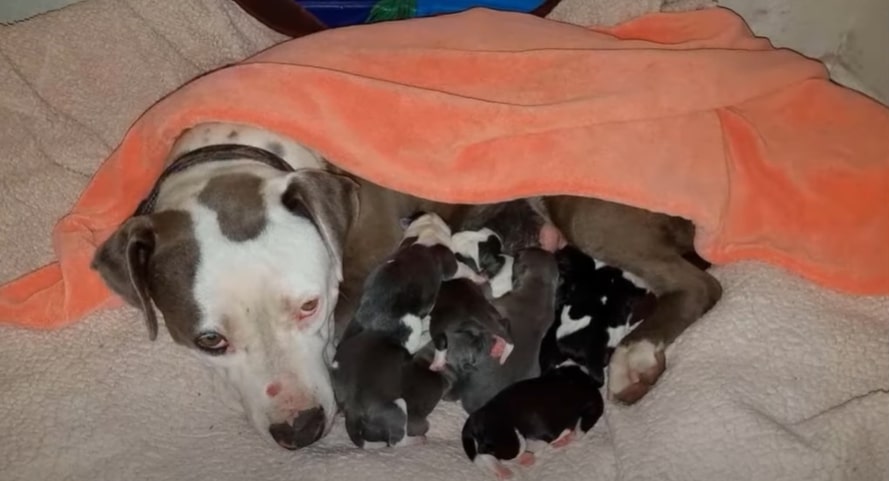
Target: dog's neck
[207,155]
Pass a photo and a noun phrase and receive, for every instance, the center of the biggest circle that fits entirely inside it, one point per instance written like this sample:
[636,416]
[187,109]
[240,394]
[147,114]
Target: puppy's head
[426,228]
[245,268]
[480,250]
[465,337]
[535,270]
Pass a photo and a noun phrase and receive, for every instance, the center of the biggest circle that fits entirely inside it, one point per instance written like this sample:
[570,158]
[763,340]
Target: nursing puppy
[400,293]
[530,414]
[489,235]
[466,329]
[529,307]
[482,252]
[383,392]
[596,306]
[384,396]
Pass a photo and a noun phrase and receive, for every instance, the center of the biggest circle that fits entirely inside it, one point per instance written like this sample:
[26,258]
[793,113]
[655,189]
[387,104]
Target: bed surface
[782,380]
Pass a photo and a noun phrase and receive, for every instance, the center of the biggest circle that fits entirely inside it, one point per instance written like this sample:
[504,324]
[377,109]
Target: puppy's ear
[122,261]
[330,201]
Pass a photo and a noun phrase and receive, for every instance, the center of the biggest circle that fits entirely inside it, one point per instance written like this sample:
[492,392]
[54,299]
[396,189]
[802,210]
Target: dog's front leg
[651,246]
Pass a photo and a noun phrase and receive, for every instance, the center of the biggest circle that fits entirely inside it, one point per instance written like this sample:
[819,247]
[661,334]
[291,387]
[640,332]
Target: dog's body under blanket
[483,106]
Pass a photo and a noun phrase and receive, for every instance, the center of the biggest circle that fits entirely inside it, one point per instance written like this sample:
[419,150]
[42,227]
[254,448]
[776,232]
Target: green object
[392,10]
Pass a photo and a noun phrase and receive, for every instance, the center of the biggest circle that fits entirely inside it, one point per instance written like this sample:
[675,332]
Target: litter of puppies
[519,335]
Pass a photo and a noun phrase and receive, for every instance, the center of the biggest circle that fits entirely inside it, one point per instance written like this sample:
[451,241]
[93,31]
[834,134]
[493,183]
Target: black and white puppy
[482,251]
[529,307]
[596,306]
[399,294]
[384,393]
[530,414]
[489,235]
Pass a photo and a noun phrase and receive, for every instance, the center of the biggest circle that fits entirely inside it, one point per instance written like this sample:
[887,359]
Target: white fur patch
[569,363]
[636,280]
[430,230]
[247,290]
[439,360]
[218,133]
[501,284]
[568,326]
[466,243]
[489,464]
[419,332]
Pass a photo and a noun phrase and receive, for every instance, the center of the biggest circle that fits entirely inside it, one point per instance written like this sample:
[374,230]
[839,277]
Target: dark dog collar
[206,155]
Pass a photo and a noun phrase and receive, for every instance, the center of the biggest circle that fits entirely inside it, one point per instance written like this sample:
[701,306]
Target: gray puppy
[384,392]
[529,308]
[466,328]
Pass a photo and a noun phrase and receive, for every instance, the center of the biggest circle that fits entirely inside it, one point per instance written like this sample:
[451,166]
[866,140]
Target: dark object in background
[289,18]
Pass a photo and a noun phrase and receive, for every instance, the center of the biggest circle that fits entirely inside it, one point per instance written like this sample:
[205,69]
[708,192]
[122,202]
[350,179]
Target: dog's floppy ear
[122,261]
[330,201]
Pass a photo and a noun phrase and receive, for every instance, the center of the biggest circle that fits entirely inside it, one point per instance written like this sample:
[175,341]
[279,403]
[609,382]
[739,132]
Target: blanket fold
[682,113]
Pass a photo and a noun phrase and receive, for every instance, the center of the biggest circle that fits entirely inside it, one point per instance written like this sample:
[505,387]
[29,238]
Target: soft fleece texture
[782,381]
[684,113]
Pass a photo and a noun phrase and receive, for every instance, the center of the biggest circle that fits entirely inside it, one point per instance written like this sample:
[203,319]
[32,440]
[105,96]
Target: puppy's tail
[470,445]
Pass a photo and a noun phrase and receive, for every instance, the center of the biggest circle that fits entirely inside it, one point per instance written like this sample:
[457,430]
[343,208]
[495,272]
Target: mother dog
[254,250]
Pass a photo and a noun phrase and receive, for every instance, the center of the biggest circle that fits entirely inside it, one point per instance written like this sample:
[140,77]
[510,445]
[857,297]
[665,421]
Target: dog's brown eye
[308,307]
[212,342]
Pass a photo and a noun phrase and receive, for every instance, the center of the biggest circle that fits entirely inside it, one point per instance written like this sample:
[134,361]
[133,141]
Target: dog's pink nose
[273,389]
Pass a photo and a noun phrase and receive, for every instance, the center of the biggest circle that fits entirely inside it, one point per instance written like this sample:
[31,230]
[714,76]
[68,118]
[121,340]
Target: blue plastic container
[341,13]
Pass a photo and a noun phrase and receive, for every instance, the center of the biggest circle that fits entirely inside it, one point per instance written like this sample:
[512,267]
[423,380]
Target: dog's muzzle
[306,428]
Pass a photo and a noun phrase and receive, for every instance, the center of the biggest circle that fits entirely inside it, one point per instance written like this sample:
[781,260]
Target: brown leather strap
[288,18]
[283,16]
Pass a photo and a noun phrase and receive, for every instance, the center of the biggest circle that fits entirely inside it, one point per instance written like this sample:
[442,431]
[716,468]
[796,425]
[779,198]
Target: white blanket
[781,381]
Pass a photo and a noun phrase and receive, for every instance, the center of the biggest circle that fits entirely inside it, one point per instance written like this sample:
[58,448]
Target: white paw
[634,368]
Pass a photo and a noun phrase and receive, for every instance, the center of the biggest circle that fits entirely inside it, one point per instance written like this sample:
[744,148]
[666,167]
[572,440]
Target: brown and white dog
[254,250]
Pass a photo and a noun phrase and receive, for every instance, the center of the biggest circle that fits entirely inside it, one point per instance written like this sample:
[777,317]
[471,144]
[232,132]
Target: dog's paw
[634,369]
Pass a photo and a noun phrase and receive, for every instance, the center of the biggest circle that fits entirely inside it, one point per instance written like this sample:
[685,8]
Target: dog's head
[245,266]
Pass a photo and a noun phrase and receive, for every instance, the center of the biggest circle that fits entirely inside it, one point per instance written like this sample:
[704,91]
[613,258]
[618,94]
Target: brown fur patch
[239,205]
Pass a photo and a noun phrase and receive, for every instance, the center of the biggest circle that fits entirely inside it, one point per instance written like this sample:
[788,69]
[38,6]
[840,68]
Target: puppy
[384,393]
[399,294]
[385,398]
[596,306]
[520,223]
[466,329]
[482,252]
[530,414]
[529,307]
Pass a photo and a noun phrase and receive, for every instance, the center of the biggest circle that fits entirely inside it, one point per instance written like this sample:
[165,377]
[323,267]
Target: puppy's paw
[526,459]
[564,439]
[634,369]
[490,464]
[411,441]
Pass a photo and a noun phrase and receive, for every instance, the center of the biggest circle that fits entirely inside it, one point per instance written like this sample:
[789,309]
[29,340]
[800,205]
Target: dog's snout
[273,389]
[306,428]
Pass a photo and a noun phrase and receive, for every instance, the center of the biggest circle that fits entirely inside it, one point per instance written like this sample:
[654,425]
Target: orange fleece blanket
[683,113]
